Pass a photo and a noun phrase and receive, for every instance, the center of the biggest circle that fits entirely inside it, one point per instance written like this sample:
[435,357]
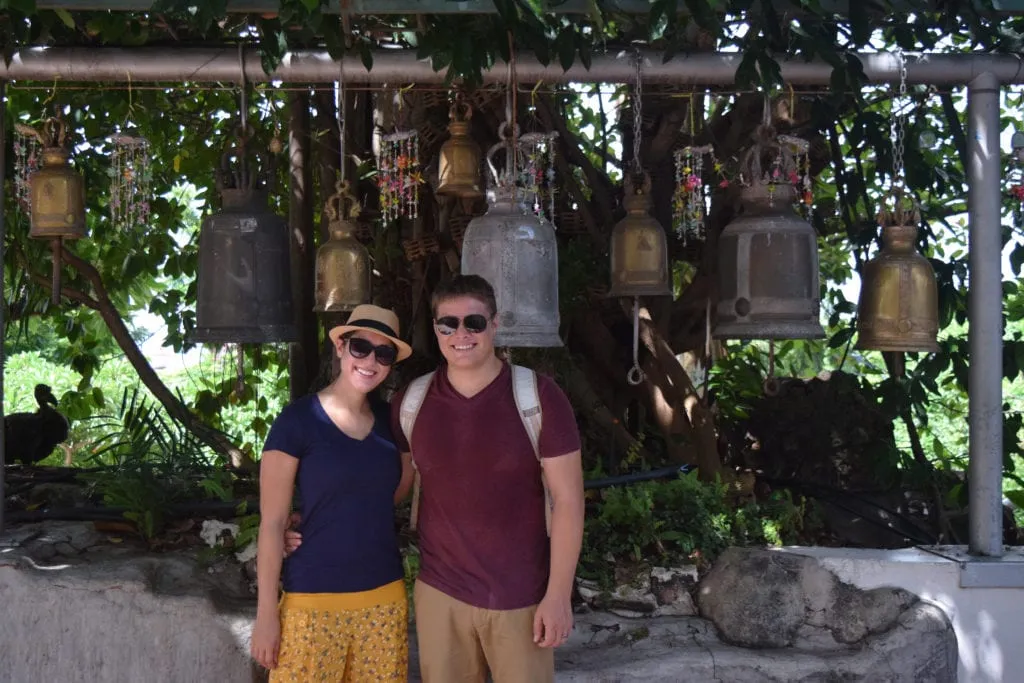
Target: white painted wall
[989,622]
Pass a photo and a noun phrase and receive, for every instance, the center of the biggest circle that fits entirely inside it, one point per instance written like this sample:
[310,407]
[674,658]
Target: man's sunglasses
[449,324]
[361,348]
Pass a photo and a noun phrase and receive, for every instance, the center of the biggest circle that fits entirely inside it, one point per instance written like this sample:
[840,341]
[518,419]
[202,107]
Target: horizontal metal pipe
[198,65]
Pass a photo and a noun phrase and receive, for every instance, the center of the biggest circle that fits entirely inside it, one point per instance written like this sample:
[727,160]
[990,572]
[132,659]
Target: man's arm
[564,475]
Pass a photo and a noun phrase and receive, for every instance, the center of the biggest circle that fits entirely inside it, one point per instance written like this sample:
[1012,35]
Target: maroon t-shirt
[481,518]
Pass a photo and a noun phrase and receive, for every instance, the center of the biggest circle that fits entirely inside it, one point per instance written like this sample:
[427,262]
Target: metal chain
[637,110]
[636,375]
[898,123]
[341,110]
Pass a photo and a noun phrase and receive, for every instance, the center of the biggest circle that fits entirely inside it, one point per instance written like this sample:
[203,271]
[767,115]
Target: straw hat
[373,319]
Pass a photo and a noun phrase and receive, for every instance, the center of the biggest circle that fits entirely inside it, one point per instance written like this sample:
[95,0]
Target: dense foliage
[152,267]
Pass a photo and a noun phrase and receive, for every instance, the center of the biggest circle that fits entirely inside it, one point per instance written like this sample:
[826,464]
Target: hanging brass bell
[768,281]
[244,280]
[459,166]
[899,298]
[58,192]
[342,263]
[57,197]
[639,249]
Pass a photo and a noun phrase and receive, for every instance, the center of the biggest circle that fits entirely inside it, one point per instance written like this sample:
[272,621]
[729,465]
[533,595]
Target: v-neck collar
[323,412]
[448,389]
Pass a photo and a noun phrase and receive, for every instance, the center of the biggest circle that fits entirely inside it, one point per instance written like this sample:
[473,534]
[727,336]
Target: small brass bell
[342,263]
[899,298]
[459,165]
[58,197]
[639,251]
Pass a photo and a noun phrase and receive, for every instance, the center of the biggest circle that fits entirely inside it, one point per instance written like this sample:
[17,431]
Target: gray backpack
[524,390]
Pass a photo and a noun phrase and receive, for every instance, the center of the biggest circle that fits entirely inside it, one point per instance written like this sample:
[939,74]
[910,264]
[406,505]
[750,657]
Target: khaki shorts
[459,643]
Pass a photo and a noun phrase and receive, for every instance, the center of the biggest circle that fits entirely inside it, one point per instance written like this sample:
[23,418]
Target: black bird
[30,437]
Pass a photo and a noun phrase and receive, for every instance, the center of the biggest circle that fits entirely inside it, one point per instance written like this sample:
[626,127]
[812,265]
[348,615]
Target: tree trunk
[213,438]
[304,360]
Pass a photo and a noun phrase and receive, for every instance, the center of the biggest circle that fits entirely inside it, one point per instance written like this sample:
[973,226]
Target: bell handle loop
[54,132]
[636,375]
[504,142]
[243,175]
[460,110]
[899,207]
[336,202]
[630,181]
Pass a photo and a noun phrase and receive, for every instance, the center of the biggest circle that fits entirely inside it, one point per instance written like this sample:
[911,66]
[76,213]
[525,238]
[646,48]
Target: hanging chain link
[341,110]
[898,123]
[637,110]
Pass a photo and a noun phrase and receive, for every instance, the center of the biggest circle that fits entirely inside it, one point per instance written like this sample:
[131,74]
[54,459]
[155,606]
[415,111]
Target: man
[494,591]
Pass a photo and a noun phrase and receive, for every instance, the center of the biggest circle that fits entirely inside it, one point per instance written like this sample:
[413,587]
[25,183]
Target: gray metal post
[985,332]
[215,64]
[3,323]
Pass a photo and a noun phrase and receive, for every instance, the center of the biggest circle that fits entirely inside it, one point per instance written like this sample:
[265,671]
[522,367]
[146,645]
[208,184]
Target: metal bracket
[981,571]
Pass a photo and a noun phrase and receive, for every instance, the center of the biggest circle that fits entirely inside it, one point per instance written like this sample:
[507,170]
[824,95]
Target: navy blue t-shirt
[346,490]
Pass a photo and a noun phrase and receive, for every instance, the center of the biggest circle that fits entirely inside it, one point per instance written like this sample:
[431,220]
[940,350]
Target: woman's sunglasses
[449,324]
[361,348]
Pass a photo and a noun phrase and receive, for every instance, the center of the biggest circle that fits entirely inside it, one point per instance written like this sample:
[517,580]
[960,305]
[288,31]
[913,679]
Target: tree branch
[213,438]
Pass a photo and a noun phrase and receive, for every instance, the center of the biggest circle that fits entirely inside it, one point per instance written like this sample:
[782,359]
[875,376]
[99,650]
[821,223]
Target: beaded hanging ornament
[26,162]
[399,175]
[130,178]
[1016,178]
[689,201]
[536,169]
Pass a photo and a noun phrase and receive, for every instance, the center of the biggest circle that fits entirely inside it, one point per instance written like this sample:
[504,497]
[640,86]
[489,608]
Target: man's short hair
[465,285]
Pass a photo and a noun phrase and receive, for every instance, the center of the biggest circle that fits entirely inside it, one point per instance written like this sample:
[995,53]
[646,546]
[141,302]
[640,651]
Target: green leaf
[366,55]
[840,338]
[65,17]
[1016,497]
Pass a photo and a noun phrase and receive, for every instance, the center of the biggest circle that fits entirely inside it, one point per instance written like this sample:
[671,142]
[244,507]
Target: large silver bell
[516,252]
[768,255]
[244,281]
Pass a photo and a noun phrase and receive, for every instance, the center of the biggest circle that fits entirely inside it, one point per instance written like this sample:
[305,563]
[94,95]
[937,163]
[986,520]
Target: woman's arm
[405,483]
[277,484]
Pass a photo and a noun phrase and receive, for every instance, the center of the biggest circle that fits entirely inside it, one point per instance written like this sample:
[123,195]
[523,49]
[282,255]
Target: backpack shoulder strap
[412,401]
[527,398]
[524,389]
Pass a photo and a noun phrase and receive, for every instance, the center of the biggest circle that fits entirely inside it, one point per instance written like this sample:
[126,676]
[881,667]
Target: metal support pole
[985,315]
[220,64]
[3,322]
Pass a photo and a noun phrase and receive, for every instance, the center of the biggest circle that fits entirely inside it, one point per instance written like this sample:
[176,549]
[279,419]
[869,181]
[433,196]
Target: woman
[343,615]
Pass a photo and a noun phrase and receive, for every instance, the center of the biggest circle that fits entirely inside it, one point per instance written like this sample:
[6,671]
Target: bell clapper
[636,375]
[56,245]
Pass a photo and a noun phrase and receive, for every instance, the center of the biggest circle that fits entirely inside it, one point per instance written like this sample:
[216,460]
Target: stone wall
[82,606]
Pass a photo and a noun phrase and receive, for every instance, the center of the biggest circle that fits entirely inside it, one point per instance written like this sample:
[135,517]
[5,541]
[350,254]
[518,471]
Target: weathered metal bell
[244,281]
[57,197]
[459,166]
[342,263]
[899,297]
[57,190]
[768,270]
[639,251]
[516,252]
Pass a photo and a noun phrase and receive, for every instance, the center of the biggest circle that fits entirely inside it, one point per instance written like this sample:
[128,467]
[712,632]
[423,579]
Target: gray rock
[764,598]
[121,618]
[754,599]
[671,588]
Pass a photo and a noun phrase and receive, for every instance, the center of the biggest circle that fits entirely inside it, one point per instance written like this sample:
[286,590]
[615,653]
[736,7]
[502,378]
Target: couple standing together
[499,510]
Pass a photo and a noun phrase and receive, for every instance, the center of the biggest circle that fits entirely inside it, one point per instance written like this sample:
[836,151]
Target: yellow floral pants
[344,637]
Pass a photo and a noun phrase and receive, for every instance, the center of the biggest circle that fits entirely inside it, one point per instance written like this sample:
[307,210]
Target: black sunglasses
[361,348]
[449,324]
